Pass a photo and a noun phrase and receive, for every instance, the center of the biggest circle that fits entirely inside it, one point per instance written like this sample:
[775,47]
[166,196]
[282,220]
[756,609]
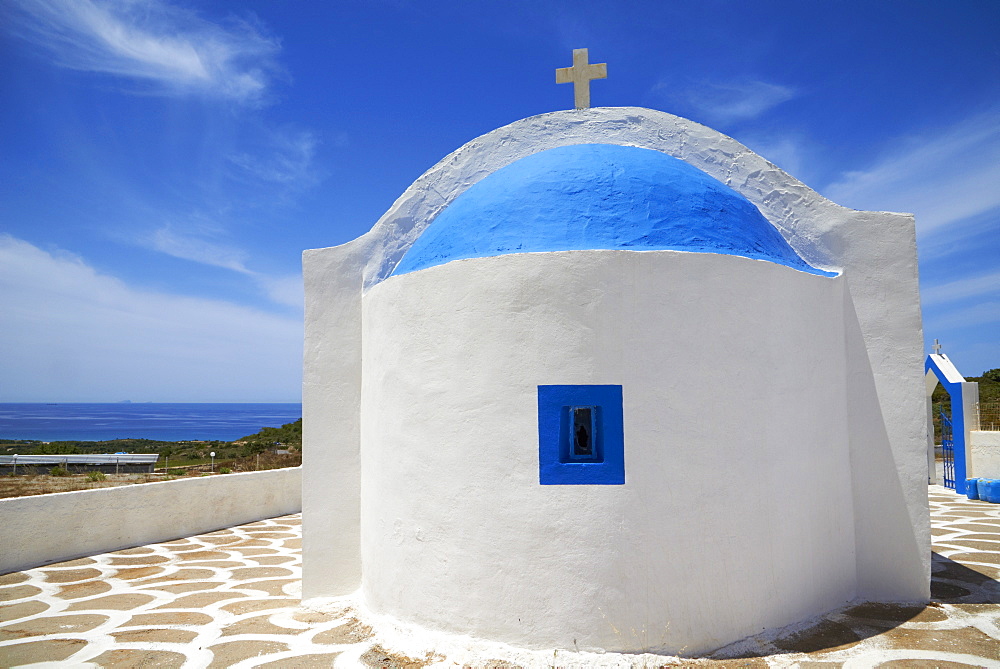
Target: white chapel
[605,379]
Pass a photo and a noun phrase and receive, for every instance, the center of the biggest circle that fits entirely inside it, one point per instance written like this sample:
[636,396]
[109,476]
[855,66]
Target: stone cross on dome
[581,74]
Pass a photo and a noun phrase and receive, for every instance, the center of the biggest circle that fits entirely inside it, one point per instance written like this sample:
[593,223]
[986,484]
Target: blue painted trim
[555,463]
[954,391]
[599,196]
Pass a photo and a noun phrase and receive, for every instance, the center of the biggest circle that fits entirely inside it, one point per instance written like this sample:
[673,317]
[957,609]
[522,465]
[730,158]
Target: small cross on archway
[581,75]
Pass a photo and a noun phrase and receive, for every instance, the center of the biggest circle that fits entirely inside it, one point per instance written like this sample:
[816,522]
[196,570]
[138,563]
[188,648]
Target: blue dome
[599,196]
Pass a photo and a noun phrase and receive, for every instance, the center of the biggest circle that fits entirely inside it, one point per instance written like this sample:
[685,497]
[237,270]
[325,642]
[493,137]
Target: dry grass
[42,484]
[267,460]
[24,485]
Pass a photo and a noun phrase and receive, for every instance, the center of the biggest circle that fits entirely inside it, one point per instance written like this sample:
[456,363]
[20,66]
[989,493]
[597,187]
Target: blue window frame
[580,435]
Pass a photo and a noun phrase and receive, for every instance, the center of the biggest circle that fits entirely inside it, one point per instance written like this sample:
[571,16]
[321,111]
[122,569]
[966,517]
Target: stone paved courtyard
[231,599]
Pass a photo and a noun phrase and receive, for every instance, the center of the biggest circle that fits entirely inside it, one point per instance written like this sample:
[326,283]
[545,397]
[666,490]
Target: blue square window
[580,435]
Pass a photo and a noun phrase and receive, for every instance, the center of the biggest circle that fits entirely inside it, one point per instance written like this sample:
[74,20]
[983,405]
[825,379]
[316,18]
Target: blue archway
[953,382]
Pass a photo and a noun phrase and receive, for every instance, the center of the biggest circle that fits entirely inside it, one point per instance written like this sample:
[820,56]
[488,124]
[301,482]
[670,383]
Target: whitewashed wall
[43,529]
[876,251]
[985,449]
[331,408]
[737,511]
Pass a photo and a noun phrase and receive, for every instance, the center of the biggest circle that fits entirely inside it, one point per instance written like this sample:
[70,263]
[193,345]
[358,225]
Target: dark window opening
[583,434]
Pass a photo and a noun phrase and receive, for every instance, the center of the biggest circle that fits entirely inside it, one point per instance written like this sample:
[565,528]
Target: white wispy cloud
[943,176]
[731,101]
[286,290]
[83,335]
[952,291]
[286,159]
[197,248]
[971,316]
[199,242]
[169,47]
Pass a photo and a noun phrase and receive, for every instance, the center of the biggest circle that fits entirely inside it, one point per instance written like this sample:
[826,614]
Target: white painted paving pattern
[231,599]
[228,598]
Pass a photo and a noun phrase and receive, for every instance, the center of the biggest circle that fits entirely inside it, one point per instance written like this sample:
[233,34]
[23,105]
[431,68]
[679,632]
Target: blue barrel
[981,485]
[993,491]
[972,488]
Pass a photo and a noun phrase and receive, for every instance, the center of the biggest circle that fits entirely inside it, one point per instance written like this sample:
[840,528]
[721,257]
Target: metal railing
[947,451]
[987,416]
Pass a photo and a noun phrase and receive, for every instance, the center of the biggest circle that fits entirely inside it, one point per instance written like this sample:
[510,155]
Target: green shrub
[96,476]
[225,470]
[58,471]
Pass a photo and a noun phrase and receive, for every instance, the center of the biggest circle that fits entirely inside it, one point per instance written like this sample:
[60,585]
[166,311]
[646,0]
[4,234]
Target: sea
[126,420]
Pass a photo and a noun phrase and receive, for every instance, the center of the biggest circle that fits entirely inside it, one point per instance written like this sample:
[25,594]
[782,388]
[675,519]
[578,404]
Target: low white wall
[985,448]
[43,529]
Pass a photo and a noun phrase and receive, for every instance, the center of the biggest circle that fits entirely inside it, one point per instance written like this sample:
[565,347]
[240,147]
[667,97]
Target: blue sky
[164,164]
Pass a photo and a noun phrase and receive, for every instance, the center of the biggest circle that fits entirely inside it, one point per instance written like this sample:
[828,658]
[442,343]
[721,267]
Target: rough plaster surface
[598,196]
[66,525]
[819,230]
[733,517]
[985,447]
[881,339]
